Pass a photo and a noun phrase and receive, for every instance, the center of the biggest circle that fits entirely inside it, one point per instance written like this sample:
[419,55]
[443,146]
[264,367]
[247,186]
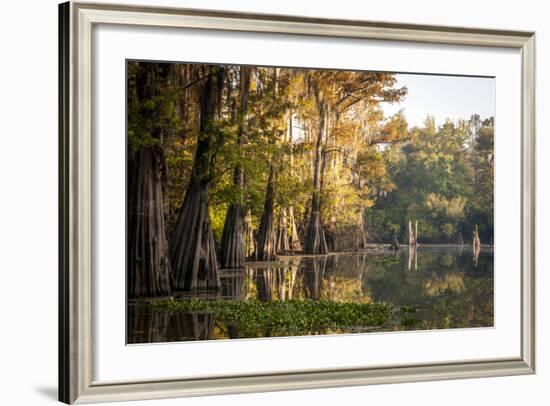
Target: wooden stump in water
[413,234]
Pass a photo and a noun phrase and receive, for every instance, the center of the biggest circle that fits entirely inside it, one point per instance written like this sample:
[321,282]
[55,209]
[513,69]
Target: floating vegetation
[254,318]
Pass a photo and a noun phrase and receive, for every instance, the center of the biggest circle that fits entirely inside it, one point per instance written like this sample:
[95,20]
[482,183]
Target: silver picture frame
[76,21]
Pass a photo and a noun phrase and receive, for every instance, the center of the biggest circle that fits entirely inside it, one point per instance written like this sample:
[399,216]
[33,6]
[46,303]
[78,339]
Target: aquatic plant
[254,318]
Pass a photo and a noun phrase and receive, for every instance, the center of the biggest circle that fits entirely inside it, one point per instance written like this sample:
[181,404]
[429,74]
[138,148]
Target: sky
[453,97]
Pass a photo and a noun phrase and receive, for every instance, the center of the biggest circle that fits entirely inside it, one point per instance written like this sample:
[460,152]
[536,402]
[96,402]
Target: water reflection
[477,250]
[413,258]
[447,287]
[147,326]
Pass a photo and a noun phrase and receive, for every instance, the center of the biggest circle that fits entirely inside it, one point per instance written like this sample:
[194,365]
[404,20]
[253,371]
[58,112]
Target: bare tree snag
[412,234]
[476,245]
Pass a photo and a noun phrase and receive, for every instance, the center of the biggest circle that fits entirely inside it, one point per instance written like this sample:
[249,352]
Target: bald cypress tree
[148,265]
[232,250]
[192,245]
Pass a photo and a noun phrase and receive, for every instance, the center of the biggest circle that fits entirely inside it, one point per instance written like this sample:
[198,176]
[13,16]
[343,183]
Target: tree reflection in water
[148,326]
[443,285]
[234,284]
[447,289]
[313,277]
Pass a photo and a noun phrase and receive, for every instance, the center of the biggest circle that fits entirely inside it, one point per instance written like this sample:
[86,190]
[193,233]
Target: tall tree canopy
[228,163]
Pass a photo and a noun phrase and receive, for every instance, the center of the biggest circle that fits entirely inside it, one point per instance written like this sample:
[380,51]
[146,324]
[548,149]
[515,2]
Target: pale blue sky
[443,97]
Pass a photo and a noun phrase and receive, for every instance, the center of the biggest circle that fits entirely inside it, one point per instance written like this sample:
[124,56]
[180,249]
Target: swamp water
[427,288]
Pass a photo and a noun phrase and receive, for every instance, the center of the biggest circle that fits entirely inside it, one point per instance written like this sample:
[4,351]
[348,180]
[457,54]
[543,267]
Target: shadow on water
[428,287]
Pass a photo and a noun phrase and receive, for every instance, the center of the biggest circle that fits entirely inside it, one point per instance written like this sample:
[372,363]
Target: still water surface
[428,288]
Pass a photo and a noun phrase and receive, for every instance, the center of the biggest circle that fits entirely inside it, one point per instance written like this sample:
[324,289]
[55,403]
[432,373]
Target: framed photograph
[263,202]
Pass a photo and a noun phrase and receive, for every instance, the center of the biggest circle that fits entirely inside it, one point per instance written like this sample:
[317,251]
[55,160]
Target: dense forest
[228,164]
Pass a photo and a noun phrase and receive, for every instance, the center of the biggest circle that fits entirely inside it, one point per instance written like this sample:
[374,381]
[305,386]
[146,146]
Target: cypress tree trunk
[294,238]
[193,250]
[282,236]
[192,245]
[149,269]
[315,242]
[266,250]
[250,241]
[361,236]
[232,250]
